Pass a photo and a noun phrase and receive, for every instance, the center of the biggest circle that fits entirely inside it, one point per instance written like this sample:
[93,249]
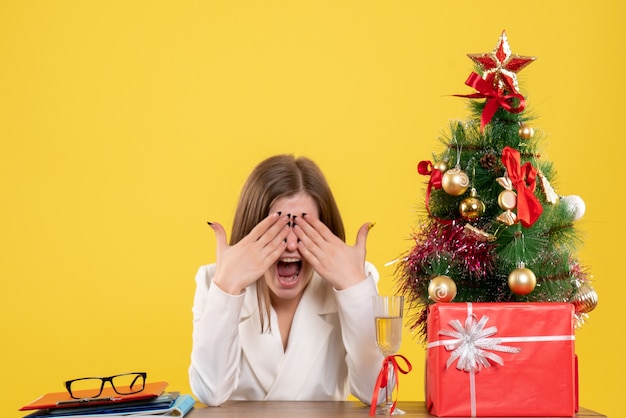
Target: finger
[315,229]
[275,248]
[270,224]
[313,246]
[309,239]
[220,235]
[361,236]
[305,248]
[272,241]
[275,237]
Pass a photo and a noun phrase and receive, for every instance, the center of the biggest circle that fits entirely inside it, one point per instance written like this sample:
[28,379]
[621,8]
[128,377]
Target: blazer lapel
[308,336]
[263,350]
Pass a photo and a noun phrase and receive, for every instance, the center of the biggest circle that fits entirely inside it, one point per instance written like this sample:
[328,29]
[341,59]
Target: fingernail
[370,226]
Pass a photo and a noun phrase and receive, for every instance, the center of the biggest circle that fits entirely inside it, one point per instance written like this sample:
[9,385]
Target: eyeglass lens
[91,387]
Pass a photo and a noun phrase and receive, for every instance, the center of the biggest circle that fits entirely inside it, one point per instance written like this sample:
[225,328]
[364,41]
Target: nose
[292,241]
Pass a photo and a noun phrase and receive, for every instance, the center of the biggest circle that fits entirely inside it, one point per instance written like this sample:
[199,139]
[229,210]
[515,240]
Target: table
[305,409]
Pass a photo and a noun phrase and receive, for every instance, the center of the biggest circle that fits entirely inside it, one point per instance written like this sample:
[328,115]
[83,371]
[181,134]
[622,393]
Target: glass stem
[390,383]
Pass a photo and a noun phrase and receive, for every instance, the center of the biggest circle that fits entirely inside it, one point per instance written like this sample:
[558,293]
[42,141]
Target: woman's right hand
[240,265]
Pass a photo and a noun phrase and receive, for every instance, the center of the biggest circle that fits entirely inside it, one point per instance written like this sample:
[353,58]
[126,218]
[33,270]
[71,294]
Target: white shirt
[331,352]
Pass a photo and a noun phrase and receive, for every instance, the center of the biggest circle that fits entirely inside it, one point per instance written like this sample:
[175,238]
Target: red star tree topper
[501,66]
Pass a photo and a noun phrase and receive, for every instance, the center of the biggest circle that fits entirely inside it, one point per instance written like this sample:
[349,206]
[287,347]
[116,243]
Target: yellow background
[126,125]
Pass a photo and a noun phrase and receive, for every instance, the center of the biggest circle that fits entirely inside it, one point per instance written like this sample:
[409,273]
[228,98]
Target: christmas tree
[494,228]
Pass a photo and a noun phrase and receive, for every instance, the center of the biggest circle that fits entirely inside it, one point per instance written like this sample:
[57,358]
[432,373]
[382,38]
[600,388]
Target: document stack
[152,401]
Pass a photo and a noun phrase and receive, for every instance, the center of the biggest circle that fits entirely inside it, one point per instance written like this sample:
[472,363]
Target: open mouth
[288,271]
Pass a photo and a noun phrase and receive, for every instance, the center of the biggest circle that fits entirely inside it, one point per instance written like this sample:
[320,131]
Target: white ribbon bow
[471,342]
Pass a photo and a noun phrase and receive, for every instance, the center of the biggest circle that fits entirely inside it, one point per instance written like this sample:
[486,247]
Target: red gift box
[501,359]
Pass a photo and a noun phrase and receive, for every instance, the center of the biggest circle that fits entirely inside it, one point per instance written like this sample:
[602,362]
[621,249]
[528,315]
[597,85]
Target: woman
[285,313]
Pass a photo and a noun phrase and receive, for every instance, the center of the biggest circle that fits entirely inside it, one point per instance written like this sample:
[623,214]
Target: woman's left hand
[340,264]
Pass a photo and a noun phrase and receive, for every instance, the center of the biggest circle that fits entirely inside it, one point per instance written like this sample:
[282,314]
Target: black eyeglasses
[91,387]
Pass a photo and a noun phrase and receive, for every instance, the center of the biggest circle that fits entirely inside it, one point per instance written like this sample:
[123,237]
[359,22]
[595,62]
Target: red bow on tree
[495,98]
[523,178]
[426,168]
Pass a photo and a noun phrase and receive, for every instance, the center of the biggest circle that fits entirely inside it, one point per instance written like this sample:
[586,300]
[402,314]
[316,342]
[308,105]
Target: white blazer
[331,352]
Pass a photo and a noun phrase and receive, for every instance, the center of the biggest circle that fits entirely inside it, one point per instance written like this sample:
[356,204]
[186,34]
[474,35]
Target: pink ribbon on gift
[470,344]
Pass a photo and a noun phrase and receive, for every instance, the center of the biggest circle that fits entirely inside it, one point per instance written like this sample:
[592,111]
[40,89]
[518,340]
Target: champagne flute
[388,312]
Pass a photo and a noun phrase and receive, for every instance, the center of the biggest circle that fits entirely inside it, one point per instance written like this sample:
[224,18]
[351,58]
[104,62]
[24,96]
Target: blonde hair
[273,178]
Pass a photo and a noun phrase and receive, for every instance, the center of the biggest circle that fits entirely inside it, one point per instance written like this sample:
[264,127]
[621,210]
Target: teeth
[290,279]
[290,260]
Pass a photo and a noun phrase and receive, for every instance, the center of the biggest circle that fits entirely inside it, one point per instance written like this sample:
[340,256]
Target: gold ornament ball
[442,289]
[526,132]
[455,182]
[522,281]
[585,299]
[441,166]
[472,207]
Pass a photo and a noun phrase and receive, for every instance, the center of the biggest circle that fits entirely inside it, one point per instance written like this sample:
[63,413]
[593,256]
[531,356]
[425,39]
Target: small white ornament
[576,205]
